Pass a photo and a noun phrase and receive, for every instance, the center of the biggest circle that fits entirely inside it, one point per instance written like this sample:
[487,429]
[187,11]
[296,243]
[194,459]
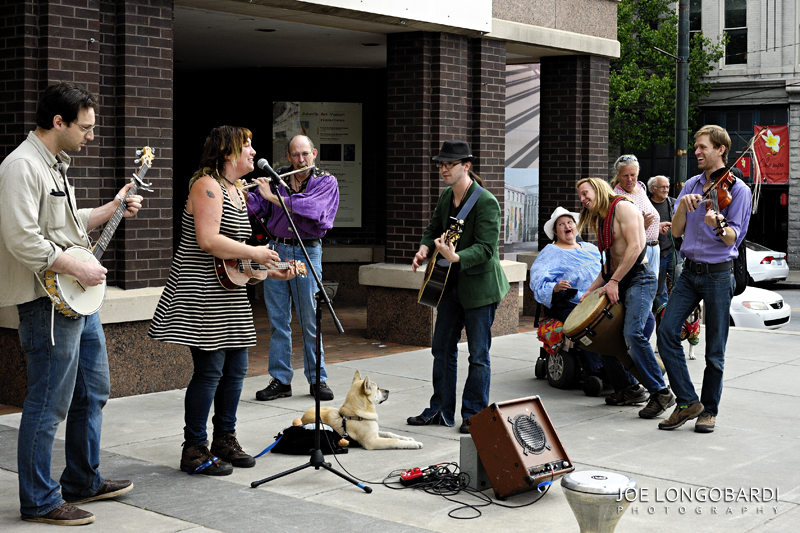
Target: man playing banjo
[619,227]
[67,359]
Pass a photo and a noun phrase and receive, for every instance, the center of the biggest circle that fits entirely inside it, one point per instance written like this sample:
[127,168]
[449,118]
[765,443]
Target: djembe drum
[596,326]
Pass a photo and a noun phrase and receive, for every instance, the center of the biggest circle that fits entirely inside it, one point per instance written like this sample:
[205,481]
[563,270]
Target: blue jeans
[638,300]
[661,291]
[67,381]
[278,296]
[617,375]
[653,259]
[451,318]
[218,377]
[716,289]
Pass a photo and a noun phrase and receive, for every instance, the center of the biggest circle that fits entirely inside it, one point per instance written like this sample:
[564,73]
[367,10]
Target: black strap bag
[740,273]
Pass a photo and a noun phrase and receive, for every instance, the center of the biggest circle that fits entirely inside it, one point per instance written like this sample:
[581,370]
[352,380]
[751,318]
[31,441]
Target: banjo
[69,296]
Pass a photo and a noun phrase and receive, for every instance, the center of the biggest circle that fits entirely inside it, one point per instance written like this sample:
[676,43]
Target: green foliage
[642,81]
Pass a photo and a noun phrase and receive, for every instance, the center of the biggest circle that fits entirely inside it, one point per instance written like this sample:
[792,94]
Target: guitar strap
[470,203]
[62,169]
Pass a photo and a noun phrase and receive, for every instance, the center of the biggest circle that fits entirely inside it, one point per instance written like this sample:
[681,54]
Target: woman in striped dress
[195,310]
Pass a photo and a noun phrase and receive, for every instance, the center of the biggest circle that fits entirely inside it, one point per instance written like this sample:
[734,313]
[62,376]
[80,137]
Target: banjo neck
[111,226]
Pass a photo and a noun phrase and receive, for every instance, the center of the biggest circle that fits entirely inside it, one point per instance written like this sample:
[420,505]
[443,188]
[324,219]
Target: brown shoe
[64,515]
[658,403]
[227,448]
[681,415]
[198,460]
[110,489]
[705,424]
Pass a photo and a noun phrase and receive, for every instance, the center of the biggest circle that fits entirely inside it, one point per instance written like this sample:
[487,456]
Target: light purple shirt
[313,210]
[700,241]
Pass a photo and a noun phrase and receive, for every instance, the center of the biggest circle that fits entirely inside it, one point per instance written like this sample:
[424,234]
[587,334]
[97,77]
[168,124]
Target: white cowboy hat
[558,213]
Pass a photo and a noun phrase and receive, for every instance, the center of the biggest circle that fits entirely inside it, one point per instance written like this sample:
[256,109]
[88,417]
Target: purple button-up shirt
[313,210]
[700,241]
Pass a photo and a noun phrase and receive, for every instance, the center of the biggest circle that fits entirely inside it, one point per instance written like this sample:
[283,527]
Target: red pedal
[411,476]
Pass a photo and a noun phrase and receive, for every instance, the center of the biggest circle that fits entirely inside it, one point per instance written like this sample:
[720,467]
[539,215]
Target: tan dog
[360,418]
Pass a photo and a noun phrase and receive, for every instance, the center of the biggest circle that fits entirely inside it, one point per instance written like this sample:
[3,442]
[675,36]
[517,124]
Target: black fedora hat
[454,151]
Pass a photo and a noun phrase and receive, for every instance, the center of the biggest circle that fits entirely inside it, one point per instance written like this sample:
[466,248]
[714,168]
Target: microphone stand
[317,459]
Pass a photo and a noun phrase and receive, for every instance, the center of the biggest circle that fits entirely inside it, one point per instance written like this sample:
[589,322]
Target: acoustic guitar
[438,270]
[233,273]
[70,297]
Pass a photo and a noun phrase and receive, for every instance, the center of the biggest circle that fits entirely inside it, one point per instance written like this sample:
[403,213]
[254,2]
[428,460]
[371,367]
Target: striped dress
[194,309]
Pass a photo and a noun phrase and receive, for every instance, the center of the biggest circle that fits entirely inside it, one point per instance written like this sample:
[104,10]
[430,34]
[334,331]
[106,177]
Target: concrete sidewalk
[755,446]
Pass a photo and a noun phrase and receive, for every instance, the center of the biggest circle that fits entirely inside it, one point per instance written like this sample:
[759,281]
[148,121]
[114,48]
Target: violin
[718,195]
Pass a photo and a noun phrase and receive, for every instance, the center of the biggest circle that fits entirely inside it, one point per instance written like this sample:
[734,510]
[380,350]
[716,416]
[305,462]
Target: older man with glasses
[312,199]
[665,205]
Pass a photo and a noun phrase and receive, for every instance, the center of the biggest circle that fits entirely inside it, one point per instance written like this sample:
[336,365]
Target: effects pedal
[411,476]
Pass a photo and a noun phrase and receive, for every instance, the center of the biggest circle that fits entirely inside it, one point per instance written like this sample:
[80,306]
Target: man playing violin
[710,241]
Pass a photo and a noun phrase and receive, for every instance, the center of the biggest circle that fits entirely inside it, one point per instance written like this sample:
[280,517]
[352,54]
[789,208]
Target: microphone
[263,164]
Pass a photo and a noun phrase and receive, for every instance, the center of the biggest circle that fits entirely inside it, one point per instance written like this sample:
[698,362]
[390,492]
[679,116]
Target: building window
[695,17]
[736,30]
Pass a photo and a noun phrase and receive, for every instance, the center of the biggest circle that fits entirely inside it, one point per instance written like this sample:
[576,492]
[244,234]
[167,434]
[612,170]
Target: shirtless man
[623,277]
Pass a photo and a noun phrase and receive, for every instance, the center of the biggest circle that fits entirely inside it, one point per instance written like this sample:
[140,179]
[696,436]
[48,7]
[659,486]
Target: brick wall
[121,51]
[574,130]
[439,86]
[487,131]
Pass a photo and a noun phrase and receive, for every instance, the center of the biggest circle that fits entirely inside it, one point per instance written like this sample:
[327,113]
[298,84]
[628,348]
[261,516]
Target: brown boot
[227,448]
[198,460]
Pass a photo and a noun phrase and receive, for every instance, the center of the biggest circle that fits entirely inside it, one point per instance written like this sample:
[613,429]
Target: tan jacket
[36,221]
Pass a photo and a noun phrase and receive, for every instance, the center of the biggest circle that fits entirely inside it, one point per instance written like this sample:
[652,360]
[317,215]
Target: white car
[764,264]
[759,308]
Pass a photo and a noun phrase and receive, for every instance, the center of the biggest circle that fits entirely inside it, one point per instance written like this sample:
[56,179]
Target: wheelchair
[561,362]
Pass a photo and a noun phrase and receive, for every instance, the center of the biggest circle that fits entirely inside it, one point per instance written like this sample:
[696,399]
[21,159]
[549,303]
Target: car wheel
[560,369]
[732,323]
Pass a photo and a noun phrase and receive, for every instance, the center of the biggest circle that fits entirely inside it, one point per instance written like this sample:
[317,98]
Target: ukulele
[233,273]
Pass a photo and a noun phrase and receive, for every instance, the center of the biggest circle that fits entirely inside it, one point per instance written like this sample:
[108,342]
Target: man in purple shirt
[312,199]
[707,275]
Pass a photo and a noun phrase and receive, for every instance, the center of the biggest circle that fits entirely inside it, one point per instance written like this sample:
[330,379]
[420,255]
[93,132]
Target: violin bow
[757,178]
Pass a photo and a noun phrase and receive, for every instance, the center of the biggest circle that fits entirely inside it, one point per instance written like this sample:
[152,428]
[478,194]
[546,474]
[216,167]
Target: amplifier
[518,446]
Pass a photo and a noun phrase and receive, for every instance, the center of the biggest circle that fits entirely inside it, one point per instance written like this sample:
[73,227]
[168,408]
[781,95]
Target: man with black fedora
[474,287]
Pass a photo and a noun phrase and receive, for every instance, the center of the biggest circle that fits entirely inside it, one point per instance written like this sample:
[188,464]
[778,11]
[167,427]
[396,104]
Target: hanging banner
[772,151]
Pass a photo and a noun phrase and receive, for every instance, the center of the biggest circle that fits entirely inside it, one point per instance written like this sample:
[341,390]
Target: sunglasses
[627,158]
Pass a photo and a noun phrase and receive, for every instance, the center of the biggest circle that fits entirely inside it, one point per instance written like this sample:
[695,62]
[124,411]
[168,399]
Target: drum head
[585,312]
[597,482]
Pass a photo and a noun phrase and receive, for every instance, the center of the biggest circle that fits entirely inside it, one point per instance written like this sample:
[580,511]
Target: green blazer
[481,280]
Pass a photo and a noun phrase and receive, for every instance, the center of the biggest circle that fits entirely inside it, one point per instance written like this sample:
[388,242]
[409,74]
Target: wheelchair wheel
[561,369]
[540,371]
[592,386]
